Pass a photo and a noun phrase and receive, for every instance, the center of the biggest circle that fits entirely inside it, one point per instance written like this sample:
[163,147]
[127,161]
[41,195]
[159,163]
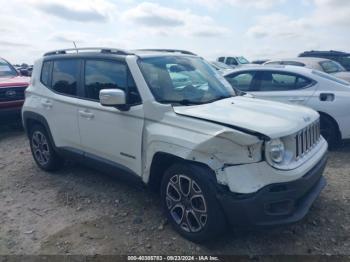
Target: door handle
[86,114]
[297,99]
[46,103]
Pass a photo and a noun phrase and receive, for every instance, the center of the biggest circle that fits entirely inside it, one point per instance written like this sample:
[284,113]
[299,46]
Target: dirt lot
[82,211]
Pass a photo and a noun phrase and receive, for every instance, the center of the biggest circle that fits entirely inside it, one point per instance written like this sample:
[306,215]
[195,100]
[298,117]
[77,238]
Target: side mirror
[113,97]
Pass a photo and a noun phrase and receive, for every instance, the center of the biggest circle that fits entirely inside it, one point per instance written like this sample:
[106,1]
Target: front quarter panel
[198,141]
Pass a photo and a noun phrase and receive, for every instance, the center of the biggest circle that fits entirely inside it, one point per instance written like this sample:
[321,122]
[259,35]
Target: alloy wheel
[41,148]
[186,203]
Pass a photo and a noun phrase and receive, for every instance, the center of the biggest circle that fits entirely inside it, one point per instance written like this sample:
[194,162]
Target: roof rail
[169,51]
[98,49]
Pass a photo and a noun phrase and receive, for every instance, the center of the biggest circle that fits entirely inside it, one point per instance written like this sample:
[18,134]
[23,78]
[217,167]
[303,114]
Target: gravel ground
[82,211]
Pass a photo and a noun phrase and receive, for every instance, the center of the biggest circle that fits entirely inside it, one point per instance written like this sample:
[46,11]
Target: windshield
[330,77]
[6,70]
[331,67]
[242,60]
[184,80]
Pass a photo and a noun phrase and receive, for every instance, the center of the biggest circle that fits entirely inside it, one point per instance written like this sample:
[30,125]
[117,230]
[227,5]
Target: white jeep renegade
[166,117]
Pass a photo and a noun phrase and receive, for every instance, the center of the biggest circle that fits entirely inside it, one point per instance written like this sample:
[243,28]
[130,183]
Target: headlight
[276,150]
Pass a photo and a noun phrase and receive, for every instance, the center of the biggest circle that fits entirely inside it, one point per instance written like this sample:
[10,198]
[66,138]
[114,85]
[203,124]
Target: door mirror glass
[112,97]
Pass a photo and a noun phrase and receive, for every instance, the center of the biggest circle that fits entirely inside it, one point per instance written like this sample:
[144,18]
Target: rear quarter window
[46,73]
[330,77]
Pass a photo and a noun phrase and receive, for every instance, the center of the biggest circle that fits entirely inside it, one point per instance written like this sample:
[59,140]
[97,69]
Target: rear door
[59,99]
[107,133]
[283,87]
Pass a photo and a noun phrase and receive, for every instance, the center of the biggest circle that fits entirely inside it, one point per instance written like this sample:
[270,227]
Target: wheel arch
[161,162]
[323,114]
[31,119]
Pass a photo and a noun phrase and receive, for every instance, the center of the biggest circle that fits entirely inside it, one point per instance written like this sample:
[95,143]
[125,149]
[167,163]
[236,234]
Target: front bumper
[278,203]
[10,113]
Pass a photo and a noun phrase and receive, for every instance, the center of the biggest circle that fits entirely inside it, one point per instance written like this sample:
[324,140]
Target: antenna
[75,46]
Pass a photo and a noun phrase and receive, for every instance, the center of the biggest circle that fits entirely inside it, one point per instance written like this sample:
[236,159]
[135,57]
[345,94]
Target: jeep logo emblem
[10,93]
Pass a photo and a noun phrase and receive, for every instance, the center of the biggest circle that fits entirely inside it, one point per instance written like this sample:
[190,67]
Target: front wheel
[189,199]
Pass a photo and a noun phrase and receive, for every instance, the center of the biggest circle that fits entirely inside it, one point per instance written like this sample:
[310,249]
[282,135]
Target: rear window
[65,76]
[330,77]
[331,67]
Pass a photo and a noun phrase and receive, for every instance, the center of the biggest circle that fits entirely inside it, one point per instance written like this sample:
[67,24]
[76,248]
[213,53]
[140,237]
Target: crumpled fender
[214,150]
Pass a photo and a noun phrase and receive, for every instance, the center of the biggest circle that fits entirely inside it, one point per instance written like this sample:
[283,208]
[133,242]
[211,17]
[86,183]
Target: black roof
[324,53]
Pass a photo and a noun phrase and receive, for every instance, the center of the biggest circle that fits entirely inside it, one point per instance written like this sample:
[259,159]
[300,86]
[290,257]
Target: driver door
[107,133]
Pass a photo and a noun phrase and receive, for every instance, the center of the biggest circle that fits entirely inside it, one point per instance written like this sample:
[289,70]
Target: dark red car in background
[12,86]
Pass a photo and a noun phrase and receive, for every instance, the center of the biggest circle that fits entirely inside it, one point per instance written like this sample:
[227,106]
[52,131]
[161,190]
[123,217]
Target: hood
[254,116]
[14,81]
[343,75]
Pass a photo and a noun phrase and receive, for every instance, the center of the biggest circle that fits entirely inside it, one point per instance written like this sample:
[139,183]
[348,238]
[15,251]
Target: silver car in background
[321,64]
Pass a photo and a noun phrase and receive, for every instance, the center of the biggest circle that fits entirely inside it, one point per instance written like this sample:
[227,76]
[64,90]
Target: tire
[42,149]
[329,131]
[204,219]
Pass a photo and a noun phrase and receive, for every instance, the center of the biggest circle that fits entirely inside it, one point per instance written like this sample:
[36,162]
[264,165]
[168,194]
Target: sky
[256,29]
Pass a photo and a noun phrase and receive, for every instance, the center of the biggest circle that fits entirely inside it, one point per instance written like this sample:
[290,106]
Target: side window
[45,73]
[303,82]
[231,61]
[101,74]
[275,81]
[65,76]
[221,59]
[242,81]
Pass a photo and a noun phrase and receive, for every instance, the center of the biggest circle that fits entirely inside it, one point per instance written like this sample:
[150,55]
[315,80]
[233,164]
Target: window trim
[312,82]
[50,73]
[82,78]
[240,73]
[51,76]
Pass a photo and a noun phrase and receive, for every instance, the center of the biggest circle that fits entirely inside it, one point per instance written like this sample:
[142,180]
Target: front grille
[8,94]
[307,138]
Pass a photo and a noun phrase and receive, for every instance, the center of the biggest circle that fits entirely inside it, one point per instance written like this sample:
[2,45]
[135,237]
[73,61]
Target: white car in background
[322,64]
[328,95]
[233,61]
[221,67]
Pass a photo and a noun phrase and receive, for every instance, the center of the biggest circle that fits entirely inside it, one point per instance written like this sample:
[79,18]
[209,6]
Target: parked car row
[323,85]
[341,58]
[321,64]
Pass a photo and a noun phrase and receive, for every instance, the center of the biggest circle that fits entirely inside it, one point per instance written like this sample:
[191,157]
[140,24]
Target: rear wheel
[189,199]
[329,131]
[42,149]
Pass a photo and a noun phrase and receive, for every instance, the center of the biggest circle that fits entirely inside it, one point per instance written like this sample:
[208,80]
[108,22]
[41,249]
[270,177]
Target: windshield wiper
[184,102]
[217,99]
